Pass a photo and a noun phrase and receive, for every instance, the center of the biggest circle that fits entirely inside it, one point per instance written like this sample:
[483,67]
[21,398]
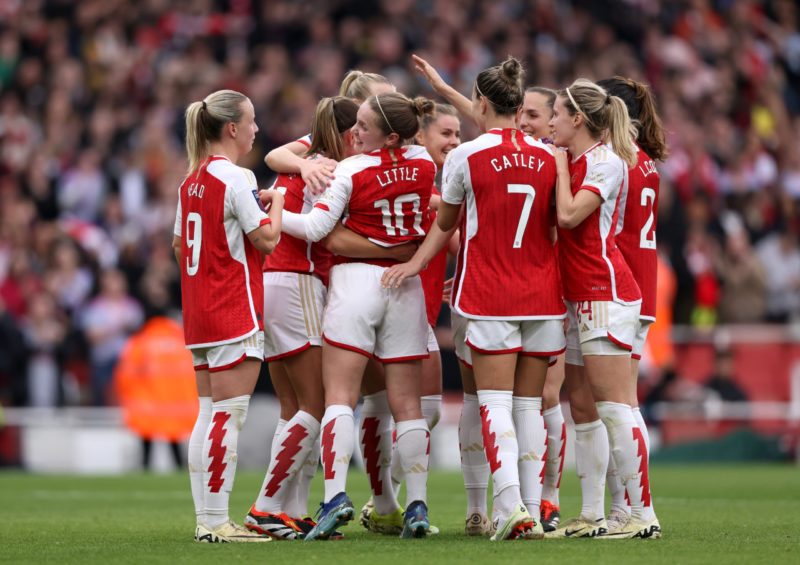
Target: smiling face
[440,137]
[536,114]
[367,136]
[562,125]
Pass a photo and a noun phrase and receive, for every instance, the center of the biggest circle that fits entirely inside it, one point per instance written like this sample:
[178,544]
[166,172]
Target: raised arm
[461,102]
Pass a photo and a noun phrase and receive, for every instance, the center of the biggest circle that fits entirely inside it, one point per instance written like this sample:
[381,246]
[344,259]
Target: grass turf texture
[742,514]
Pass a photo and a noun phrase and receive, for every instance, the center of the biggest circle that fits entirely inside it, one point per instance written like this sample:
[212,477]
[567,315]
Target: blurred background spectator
[92,95]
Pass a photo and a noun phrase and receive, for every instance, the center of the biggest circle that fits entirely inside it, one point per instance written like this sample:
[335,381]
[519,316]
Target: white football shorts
[362,316]
[224,357]
[293,307]
[600,328]
[534,338]
[642,328]
[433,344]
[458,324]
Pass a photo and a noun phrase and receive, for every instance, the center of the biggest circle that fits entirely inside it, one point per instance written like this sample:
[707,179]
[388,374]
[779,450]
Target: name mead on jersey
[196,189]
[386,178]
[519,160]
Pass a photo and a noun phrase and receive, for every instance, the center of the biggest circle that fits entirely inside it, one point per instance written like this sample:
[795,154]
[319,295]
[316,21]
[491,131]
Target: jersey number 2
[530,195]
[194,238]
[647,237]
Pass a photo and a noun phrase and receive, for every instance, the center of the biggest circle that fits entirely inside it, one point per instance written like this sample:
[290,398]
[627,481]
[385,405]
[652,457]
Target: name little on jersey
[385,178]
[517,160]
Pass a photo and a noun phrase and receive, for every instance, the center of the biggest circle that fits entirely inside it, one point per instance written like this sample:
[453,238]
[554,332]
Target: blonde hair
[439,110]
[358,84]
[602,113]
[205,120]
[332,118]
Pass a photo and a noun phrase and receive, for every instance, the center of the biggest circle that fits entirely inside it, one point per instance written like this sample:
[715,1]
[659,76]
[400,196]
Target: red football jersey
[636,229]
[507,267]
[433,276]
[592,267]
[293,254]
[221,285]
[382,196]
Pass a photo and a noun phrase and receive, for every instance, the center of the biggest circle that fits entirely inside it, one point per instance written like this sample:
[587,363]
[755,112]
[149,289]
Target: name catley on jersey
[221,284]
[382,196]
[592,267]
[636,229]
[507,268]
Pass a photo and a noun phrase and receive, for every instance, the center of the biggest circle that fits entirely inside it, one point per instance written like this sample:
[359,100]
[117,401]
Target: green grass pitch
[709,514]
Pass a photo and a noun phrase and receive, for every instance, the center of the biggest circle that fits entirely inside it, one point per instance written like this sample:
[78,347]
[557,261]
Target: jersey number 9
[194,238]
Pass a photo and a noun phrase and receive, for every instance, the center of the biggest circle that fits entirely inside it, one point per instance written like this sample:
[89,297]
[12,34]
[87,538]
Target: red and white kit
[295,277]
[382,196]
[507,180]
[636,238]
[221,284]
[603,296]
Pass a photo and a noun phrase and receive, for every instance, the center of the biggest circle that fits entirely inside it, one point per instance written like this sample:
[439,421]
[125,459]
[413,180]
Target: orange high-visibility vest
[659,338]
[155,382]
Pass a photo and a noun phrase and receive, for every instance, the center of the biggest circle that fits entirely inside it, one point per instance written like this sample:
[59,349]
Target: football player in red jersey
[512,331]
[295,277]
[385,193]
[604,302]
[636,239]
[220,233]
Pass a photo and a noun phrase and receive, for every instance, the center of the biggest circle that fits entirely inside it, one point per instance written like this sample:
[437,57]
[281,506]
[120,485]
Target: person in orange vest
[155,384]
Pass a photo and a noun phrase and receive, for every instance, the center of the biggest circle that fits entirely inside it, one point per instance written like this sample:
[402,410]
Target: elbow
[270,161]
[268,246]
[566,221]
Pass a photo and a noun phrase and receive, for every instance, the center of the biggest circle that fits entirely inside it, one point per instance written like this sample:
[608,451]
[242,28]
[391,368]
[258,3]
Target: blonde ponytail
[332,118]
[205,120]
[621,131]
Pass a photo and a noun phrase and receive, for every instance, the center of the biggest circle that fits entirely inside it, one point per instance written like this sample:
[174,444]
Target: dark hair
[205,120]
[399,114]
[642,110]
[332,118]
[501,85]
[602,113]
[440,110]
[548,93]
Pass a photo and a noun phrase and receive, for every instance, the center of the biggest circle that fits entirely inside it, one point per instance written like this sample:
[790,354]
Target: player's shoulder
[357,163]
[603,155]
[469,148]
[231,174]
[536,143]
[416,152]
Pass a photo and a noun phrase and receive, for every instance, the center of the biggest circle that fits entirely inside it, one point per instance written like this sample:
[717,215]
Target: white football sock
[500,445]
[219,456]
[619,500]
[474,466]
[195,457]
[591,459]
[532,442]
[554,461]
[375,438]
[298,503]
[629,450]
[336,443]
[294,444]
[413,448]
[431,409]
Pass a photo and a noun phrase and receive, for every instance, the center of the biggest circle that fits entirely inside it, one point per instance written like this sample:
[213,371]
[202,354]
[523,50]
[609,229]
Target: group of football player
[550,213]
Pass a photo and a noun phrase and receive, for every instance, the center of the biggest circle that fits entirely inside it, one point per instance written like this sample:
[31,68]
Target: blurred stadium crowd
[91,126]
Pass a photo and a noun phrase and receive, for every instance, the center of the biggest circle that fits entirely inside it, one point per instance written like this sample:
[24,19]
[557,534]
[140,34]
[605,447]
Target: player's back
[636,228]
[221,283]
[507,266]
[391,190]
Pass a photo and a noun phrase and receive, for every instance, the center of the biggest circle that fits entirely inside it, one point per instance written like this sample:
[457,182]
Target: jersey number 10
[394,222]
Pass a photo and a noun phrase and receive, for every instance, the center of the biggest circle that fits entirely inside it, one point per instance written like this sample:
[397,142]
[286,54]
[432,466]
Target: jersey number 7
[530,195]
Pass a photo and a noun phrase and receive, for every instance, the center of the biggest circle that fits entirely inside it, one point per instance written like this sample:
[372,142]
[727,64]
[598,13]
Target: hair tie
[571,99]
[608,98]
[205,107]
[378,100]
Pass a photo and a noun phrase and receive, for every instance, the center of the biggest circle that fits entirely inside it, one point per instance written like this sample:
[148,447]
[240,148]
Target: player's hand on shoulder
[268,197]
[562,159]
[317,174]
